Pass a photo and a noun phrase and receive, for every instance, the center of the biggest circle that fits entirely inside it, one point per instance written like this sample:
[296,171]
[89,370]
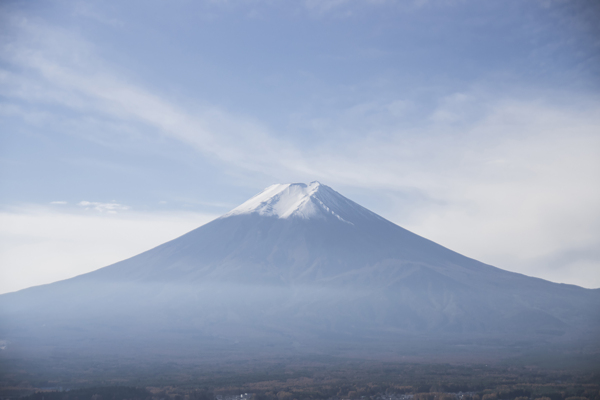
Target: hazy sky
[127,123]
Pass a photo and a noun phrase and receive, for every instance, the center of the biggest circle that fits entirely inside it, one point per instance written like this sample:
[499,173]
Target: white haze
[40,245]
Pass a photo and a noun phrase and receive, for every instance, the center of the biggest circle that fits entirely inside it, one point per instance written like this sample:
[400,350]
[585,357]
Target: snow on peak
[290,200]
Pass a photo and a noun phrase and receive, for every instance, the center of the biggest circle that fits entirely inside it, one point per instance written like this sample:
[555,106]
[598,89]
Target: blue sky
[125,124]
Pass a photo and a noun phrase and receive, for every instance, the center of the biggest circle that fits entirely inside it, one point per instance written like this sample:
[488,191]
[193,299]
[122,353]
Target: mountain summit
[285,201]
[299,264]
[298,200]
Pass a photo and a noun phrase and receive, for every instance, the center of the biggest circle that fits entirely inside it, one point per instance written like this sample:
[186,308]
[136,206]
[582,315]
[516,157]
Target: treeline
[354,381]
[324,392]
[424,392]
[349,391]
[585,395]
[96,393]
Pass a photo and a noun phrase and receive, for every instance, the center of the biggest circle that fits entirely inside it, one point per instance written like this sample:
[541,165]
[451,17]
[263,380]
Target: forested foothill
[353,380]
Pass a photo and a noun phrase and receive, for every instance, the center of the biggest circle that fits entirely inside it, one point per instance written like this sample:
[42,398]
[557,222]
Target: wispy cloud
[77,80]
[110,208]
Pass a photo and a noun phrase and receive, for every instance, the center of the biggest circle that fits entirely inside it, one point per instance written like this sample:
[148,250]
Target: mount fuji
[298,269]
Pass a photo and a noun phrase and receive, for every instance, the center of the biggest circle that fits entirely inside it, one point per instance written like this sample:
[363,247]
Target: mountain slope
[300,263]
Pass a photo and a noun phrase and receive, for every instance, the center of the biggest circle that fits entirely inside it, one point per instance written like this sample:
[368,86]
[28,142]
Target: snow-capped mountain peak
[292,200]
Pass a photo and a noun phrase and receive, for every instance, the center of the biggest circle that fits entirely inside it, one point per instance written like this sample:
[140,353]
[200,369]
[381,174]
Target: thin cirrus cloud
[56,76]
[59,76]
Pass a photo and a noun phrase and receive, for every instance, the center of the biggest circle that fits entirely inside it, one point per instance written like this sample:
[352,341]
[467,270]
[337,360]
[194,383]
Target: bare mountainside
[299,269]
